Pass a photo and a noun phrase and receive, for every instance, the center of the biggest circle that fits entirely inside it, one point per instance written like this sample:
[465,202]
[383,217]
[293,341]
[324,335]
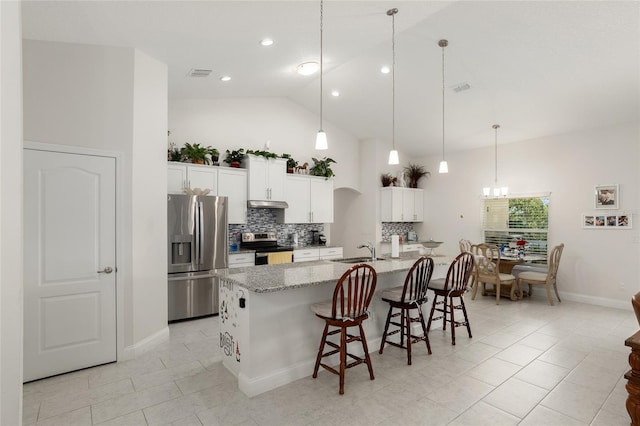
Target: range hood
[267,204]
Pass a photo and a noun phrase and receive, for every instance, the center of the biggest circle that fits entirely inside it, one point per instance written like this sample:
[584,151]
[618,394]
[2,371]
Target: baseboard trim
[591,300]
[144,345]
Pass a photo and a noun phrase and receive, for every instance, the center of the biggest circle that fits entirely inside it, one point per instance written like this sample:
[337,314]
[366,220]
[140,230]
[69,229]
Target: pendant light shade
[321,137]
[495,191]
[393,154]
[444,167]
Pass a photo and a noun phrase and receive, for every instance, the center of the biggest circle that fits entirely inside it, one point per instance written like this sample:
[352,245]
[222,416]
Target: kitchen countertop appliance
[197,243]
[267,249]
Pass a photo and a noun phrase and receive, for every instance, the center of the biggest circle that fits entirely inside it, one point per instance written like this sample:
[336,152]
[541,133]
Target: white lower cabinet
[242,259]
[306,255]
[315,253]
[329,253]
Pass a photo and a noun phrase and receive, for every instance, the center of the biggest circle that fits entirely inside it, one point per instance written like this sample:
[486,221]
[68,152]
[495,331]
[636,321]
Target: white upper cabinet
[266,178]
[232,183]
[402,204]
[225,181]
[310,199]
[181,176]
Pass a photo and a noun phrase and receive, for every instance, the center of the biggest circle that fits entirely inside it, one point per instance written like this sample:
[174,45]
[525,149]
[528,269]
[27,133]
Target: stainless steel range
[265,244]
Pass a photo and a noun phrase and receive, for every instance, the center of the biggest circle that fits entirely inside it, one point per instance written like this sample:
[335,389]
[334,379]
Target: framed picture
[606,221]
[607,196]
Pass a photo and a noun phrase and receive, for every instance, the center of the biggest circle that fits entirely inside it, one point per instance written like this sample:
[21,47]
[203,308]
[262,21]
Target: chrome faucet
[371,248]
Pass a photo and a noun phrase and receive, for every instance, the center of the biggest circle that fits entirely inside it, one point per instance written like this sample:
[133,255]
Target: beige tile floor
[528,363]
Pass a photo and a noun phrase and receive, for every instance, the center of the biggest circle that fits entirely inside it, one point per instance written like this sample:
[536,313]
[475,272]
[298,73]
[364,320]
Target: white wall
[249,122]
[149,195]
[112,99]
[594,262]
[10,214]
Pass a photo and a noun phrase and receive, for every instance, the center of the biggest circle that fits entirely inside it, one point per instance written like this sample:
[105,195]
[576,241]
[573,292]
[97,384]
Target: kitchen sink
[361,259]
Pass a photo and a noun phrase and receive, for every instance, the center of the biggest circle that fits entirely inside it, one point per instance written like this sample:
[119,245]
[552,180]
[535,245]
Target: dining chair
[409,297]
[541,278]
[348,308]
[487,257]
[465,245]
[454,285]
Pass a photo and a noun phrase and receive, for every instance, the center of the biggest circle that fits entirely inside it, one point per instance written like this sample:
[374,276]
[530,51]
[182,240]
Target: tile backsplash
[395,228]
[263,220]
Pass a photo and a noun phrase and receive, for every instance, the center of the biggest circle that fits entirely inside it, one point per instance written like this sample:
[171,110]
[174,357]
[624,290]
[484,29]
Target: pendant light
[496,190]
[444,167]
[393,154]
[321,137]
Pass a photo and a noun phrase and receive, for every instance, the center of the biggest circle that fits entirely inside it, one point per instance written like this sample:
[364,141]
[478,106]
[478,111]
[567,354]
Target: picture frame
[607,196]
[606,221]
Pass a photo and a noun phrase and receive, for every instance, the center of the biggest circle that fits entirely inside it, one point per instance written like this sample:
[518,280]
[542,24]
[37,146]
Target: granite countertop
[272,278]
[241,251]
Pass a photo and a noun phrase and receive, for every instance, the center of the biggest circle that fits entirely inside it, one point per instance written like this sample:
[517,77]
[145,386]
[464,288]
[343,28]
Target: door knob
[106,270]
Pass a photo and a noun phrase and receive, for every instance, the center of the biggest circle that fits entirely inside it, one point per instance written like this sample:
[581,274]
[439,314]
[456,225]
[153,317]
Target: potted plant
[291,163]
[215,155]
[173,153]
[196,153]
[388,179]
[265,154]
[234,158]
[322,167]
[414,173]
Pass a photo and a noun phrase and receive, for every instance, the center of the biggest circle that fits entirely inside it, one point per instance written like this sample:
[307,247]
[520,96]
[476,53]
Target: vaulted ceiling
[537,68]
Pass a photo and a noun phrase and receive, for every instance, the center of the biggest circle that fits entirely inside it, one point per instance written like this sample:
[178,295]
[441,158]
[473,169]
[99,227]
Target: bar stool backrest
[354,291]
[459,273]
[417,280]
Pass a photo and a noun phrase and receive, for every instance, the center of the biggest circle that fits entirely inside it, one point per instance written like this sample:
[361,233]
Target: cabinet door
[276,171]
[321,200]
[418,205]
[408,205]
[232,183]
[391,204]
[258,183]
[306,255]
[297,196]
[176,178]
[204,178]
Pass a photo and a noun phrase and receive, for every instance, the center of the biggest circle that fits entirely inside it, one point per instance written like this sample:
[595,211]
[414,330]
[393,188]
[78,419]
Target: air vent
[461,87]
[199,72]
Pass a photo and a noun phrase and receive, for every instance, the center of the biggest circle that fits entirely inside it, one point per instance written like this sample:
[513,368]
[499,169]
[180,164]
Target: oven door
[262,258]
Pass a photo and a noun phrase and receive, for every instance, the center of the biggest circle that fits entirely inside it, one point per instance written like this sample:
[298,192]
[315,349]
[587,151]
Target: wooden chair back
[487,257]
[354,291]
[417,280]
[465,245]
[554,262]
[459,273]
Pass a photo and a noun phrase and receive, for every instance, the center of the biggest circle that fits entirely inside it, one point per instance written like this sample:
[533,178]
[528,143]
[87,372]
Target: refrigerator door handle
[196,235]
[201,233]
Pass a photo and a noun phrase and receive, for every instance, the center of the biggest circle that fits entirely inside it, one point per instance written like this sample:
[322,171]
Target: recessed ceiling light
[385,70]
[308,68]
[335,93]
[225,78]
[266,42]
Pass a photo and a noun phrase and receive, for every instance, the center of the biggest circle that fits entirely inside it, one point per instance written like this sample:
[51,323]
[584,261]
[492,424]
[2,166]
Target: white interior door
[69,262]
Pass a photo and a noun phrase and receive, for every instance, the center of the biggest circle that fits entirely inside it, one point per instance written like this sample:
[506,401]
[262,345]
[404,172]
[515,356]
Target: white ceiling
[537,68]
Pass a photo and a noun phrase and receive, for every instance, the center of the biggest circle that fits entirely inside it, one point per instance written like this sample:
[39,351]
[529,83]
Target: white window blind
[510,219]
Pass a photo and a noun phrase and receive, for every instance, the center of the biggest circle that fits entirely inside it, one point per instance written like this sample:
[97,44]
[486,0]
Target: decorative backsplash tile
[264,220]
[395,228]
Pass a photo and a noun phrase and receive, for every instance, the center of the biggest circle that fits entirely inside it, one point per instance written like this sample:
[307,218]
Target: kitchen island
[268,335]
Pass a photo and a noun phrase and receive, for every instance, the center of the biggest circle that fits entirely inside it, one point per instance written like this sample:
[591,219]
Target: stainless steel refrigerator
[197,243]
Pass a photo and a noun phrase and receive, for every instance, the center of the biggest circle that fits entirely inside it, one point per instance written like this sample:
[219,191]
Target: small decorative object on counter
[291,163]
[234,242]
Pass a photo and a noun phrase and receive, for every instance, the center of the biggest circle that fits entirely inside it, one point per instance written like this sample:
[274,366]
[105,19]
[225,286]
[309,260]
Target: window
[509,219]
